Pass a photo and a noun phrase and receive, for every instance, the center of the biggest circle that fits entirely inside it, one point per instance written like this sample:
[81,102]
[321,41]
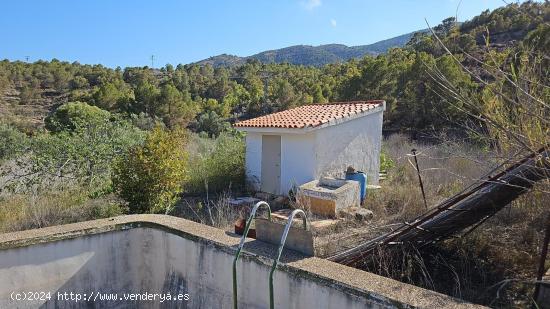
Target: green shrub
[218,166]
[150,176]
[212,124]
[12,142]
[72,115]
[386,161]
[83,156]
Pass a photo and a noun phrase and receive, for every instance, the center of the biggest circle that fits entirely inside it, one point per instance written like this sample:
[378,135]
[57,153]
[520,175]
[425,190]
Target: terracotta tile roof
[311,115]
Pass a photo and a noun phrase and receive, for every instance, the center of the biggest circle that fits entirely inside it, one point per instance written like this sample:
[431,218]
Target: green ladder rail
[241,245]
[280,251]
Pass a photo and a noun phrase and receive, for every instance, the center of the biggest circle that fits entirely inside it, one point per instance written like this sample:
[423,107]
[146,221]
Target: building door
[271,164]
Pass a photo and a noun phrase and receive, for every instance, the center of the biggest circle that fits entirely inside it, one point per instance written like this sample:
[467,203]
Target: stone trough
[327,196]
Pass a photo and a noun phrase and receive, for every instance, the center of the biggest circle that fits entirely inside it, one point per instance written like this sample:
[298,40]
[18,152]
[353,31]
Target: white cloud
[311,4]
[333,22]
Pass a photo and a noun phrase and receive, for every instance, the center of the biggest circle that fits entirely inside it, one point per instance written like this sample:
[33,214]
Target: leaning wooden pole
[461,211]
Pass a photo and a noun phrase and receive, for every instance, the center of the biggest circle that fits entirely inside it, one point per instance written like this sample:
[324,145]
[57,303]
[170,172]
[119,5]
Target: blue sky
[126,33]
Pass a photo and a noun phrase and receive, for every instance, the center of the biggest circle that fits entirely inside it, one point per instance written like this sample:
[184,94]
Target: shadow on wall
[336,168]
[162,254]
[98,267]
[113,268]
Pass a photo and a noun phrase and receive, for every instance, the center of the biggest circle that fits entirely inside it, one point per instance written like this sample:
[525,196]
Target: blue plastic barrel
[362,179]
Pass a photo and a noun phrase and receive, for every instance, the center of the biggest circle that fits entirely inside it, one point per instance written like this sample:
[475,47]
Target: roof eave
[275,130]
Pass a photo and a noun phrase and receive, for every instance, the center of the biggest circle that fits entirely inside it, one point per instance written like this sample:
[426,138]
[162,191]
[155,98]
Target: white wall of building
[321,152]
[356,142]
[298,160]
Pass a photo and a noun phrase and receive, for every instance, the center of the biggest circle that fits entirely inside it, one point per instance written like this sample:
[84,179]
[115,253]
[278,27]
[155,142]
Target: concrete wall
[110,262]
[152,260]
[543,298]
[356,142]
[162,254]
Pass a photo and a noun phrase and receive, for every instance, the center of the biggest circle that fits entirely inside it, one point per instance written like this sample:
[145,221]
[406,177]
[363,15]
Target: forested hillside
[312,55]
[80,142]
[208,98]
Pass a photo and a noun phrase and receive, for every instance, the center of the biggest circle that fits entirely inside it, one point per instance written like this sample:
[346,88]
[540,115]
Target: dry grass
[475,267]
[21,212]
[215,211]
[445,169]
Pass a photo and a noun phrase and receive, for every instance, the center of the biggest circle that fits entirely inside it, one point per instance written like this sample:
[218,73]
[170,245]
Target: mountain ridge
[312,55]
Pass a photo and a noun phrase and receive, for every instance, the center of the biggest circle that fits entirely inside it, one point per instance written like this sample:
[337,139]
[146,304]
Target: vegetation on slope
[180,96]
[82,141]
[312,55]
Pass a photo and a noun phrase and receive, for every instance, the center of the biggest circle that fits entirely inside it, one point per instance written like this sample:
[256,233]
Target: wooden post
[420,178]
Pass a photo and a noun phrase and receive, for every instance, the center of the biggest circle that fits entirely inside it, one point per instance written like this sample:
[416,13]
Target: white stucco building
[299,145]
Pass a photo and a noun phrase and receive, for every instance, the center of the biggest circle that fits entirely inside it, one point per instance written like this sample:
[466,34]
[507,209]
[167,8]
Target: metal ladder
[280,251]
[241,245]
